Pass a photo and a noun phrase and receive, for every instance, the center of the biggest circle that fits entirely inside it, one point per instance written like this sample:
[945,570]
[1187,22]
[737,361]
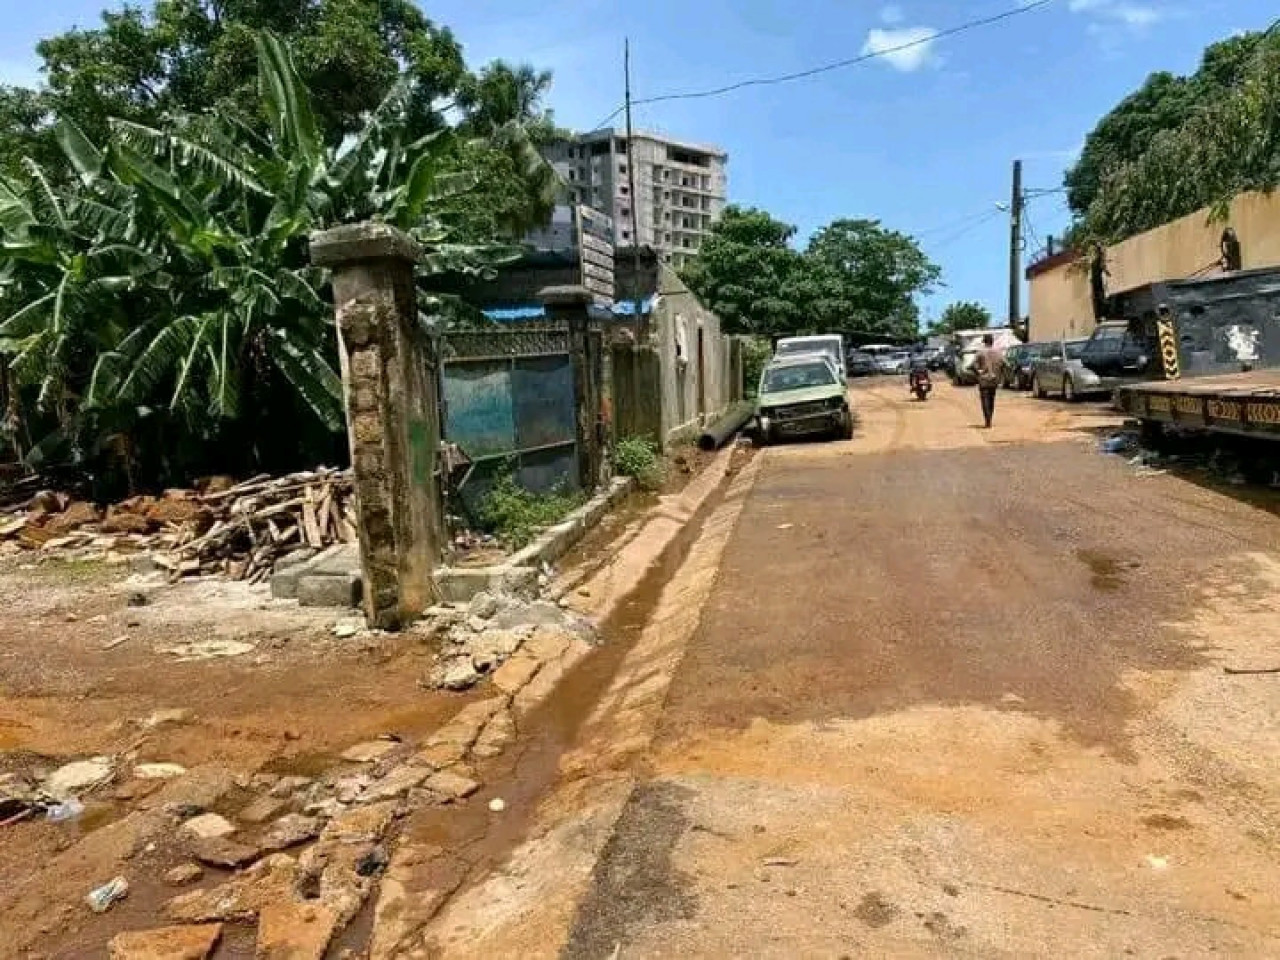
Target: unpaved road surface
[936,691]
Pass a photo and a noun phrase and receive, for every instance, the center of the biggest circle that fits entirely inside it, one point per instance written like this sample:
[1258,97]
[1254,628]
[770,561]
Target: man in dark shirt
[989,367]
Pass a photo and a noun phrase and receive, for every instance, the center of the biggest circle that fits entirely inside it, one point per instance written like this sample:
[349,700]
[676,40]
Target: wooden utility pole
[1015,247]
[631,184]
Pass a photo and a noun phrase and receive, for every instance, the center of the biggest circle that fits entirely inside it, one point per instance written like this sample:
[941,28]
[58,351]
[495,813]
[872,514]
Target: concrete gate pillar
[389,373]
[569,305]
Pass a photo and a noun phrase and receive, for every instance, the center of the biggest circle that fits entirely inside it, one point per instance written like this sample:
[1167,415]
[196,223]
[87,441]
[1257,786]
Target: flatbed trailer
[1242,404]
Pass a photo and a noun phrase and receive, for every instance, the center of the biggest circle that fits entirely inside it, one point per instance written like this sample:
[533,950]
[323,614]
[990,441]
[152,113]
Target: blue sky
[921,140]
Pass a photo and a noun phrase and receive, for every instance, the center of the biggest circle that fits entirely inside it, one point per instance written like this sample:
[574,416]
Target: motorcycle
[920,384]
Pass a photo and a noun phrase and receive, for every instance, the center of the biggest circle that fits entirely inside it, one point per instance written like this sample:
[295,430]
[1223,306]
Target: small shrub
[756,352]
[514,515]
[639,457]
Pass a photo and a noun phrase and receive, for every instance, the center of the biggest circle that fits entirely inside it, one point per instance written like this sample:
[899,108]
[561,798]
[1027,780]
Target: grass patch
[515,516]
[639,457]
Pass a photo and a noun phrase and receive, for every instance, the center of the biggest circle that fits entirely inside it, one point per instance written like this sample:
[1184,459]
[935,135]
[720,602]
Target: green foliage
[199,58]
[1182,143]
[756,352]
[165,279]
[853,275]
[515,516]
[962,315]
[640,457]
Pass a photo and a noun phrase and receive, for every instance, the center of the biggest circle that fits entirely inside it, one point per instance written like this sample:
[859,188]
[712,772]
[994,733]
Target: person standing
[989,367]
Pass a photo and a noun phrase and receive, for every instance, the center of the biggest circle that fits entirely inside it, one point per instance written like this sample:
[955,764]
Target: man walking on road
[989,366]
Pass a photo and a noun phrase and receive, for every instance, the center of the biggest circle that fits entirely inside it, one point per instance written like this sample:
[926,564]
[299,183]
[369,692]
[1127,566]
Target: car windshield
[799,376]
[1075,349]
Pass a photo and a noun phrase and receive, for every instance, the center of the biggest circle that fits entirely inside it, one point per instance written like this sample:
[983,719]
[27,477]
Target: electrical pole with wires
[1016,201]
[631,184]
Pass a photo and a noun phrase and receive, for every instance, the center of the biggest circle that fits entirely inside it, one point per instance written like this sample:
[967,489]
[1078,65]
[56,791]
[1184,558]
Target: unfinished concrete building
[680,187]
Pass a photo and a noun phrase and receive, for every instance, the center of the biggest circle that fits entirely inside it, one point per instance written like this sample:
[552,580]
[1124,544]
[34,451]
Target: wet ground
[937,691]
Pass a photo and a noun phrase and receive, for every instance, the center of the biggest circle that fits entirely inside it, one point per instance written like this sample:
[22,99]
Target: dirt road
[937,691]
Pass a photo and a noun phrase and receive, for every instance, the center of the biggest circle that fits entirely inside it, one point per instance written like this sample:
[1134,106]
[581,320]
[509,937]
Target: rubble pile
[236,530]
[479,638]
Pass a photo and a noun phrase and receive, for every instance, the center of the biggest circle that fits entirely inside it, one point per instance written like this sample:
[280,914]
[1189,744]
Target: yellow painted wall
[1060,305]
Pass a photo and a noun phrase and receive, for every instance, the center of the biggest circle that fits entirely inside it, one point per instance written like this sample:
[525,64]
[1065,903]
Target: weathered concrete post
[389,375]
[569,305]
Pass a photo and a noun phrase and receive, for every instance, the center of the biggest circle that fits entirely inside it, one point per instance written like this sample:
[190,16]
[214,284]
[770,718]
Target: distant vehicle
[969,342]
[802,396]
[932,356]
[859,363]
[1019,364]
[1113,356]
[893,363]
[829,343]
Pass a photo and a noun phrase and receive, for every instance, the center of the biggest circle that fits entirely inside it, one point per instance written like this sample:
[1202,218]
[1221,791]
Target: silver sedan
[1060,370]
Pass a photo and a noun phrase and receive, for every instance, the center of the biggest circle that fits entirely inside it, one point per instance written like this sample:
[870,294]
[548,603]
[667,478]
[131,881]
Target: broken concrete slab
[221,852]
[451,785]
[340,562]
[496,736]
[79,776]
[370,752]
[183,874]
[515,674]
[295,931]
[207,826]
[159,771]
[398,781]
[289,831]
[166,943]
[270,880]
[262,809]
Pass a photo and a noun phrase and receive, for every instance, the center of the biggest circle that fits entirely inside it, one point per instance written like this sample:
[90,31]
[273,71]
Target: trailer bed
[1238,403]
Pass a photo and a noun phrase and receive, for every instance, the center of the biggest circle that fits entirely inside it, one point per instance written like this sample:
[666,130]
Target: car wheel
[846,427]
[1069,390]
[1037,387]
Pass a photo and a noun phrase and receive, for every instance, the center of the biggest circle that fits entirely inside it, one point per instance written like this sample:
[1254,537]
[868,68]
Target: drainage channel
[474,839]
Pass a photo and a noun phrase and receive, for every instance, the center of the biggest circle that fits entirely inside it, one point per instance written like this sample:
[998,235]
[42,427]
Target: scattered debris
[238,532]
[1249,671]
[497,804]
[345,629]
[263,809]
[785,526]
[451,785]
[296,930]
[104,897]
[1157,863]
[69,809]
[78,777]
[114,642]
[780,862]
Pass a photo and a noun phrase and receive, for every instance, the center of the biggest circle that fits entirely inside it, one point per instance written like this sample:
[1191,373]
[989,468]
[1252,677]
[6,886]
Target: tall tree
[748,273]
[190,57]
[1181,143]
[864,277]
[961,315]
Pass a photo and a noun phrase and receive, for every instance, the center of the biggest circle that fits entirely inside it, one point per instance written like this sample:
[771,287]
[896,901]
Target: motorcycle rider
[916,365]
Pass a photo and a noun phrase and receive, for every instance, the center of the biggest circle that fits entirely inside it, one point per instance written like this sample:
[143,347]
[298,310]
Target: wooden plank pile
[235,530]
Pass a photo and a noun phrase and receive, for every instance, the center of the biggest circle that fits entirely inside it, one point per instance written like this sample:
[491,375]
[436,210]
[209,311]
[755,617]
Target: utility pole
[631,184]
[1015,247]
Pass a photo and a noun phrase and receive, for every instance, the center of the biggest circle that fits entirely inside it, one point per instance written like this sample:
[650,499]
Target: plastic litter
[104,897]
[1115,444]
[69,809]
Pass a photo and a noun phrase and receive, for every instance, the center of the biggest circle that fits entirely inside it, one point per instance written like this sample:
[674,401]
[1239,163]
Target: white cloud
[892,14]
[1132,14]
[906,49]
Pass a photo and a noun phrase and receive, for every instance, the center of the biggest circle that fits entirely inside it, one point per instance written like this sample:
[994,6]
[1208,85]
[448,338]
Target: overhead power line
[835,65]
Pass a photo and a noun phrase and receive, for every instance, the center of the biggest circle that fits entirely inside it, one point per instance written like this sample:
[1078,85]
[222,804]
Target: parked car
[801,396]
[1112,356]
[831,344]
[1019,364]
[893,363]
[1059,370]
[860,364]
